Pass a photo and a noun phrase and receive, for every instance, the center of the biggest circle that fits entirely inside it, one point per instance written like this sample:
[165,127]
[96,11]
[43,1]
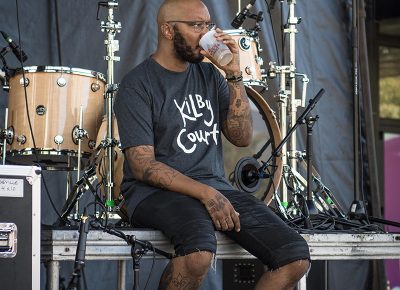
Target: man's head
[181,24]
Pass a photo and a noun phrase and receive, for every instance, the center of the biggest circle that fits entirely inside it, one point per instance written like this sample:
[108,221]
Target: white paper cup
[218,50]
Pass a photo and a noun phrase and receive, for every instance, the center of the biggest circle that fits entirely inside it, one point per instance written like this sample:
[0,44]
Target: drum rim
[243,32]
[62,69]
[47,151]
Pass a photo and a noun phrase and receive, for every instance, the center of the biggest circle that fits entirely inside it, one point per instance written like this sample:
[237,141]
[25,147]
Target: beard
[183,50]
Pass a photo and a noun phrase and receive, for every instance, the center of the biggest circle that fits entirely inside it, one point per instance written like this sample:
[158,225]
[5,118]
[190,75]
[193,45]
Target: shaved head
[178,42]
[181,10]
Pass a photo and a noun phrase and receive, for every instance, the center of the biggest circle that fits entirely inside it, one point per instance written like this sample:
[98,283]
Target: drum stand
[78,133]
[85,182]
[5,133]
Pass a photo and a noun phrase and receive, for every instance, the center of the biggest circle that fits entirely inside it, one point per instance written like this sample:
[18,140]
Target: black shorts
[186,222]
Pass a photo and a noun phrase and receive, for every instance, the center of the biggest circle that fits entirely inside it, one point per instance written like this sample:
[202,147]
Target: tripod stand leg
[121,275]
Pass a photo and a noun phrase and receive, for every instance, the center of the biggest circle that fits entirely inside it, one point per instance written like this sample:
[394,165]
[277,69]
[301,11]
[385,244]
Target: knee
[197,263]
[296,270]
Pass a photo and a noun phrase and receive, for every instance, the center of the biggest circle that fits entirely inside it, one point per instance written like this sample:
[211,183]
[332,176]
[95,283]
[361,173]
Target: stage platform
[60,245]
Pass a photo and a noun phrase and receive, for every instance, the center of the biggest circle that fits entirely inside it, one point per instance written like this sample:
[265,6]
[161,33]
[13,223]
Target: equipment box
[20,227]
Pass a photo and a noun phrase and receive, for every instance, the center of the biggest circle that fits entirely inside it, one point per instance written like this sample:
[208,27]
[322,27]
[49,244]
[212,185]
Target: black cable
[28,116]
[59,52]
[152,265]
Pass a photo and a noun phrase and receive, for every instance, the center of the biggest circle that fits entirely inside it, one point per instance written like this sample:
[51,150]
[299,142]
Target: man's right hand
[222,213]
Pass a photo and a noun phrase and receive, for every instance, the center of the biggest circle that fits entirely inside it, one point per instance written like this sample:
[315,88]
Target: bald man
[171,110]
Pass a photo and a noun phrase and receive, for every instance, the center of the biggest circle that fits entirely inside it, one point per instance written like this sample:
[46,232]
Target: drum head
[241,159]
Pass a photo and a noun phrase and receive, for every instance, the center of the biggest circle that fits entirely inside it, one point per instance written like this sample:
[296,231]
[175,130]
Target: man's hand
[222,213]
[234,65]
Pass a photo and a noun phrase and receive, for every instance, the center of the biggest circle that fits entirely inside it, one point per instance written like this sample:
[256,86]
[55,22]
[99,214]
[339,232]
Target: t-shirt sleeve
[133,111]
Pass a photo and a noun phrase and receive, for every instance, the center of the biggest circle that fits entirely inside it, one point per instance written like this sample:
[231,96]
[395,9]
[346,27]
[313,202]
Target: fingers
[236,221]
[227,39]
[222,213]
[217,225]
[228,223]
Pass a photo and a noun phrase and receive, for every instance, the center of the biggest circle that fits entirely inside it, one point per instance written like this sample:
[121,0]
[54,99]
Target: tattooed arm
[147,169]
[238,126]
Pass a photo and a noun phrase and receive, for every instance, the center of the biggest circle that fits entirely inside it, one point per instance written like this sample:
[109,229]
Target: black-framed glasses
[197,26]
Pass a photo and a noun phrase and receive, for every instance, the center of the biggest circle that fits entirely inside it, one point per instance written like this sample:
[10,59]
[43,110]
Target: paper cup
[218,50]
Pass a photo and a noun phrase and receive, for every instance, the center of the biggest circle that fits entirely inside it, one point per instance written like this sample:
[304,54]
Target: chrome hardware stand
[78,134]
[110,27]
[6,135]
[287,98]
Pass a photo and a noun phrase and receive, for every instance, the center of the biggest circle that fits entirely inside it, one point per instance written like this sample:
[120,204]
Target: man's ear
[167,31]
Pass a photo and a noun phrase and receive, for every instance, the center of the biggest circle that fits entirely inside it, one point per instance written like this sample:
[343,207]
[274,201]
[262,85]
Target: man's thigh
[264,234]
[184,220]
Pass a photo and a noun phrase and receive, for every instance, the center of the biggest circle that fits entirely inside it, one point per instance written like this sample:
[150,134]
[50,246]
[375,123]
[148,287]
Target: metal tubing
[111,28]
[5,139]
[121,275]
[53,275]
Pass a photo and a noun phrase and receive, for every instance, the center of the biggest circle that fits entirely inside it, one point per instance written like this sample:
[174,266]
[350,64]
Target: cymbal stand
[110,27]
[287,98]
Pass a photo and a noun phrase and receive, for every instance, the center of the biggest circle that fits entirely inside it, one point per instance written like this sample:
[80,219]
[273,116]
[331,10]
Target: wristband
[235,79]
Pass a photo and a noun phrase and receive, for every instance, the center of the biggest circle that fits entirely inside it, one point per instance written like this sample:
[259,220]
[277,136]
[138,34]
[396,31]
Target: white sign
[10,187]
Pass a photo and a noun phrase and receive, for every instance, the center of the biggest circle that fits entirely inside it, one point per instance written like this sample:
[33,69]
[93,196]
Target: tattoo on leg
[185,283]
[180,282]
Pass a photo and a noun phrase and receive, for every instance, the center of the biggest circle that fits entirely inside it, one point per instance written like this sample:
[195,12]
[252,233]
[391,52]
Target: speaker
[20,227]
[241,274]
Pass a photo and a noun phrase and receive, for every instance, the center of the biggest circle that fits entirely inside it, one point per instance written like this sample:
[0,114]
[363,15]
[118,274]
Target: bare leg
[186,272]
[284,278]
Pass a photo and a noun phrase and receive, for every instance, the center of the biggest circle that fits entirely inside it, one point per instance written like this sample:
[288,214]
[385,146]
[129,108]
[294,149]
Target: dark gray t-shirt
[179,113]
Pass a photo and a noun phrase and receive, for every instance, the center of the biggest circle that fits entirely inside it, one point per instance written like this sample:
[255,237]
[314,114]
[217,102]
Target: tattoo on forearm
[151,171]
[239,124]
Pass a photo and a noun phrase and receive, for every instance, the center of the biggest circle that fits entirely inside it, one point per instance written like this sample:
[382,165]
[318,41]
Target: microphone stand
[301,120]
[74,283]
[136,252]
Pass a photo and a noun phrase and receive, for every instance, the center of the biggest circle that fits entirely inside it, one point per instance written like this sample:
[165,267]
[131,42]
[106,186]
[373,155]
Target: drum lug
[78,134]
[58,139]
[92,144]
[95,87]
[24,84]
[250,70]
[21,139]
[259,60]
[61,82]
[8,135]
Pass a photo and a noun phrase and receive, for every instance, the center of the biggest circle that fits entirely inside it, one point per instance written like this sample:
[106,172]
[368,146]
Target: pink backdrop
[392,199]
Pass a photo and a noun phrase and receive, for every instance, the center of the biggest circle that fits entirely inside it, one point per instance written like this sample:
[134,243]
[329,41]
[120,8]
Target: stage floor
[60,245]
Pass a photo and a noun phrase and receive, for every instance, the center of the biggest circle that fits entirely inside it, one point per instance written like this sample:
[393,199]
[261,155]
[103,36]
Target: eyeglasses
[197,26]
